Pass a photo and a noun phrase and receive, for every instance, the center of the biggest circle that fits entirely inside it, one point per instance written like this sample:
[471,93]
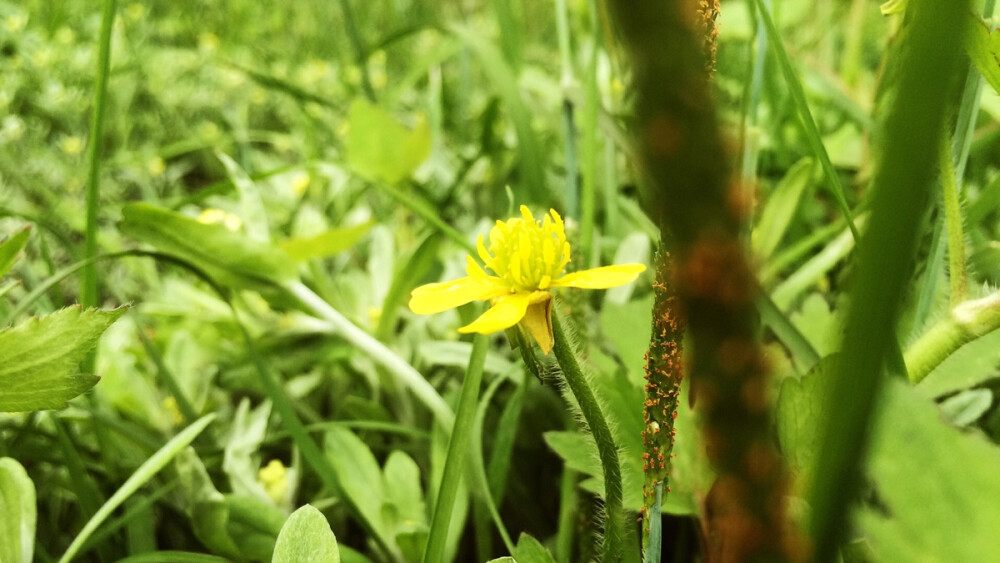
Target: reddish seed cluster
[664,373]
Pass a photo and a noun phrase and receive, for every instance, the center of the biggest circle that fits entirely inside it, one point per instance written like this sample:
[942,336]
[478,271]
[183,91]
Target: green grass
[413,441]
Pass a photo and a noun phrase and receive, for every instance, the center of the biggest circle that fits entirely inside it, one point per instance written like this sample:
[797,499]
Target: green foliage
[306,537]
[379,148]
[10,248]
[40,358]
[18,513]
[229,257]
[348,152]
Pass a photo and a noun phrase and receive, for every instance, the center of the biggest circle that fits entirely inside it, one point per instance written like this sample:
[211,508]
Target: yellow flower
[528,258]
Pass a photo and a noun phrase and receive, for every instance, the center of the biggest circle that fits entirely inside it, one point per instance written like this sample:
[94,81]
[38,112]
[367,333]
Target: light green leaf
[11,247]
[966,407]
[306,538]
[327,243]
[254,215]
[404,507]
[380,148]
[781,206]
[40,356]
[798,418]
[18,513]
[935,483]
[530,550]
[358,472]
[229,257]
[983,46]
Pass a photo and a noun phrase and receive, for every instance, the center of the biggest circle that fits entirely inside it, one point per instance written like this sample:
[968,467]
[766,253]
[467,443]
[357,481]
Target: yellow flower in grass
[528,259]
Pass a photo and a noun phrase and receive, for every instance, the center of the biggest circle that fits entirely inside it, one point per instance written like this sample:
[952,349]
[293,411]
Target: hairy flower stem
[700,209]
[664,372]
[614,518]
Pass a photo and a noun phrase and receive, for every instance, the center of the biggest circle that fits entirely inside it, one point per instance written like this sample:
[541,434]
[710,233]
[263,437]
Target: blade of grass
[88,279]
[479,469]
[457,448]
[928,60]
[811,131]
[143,474]
[589,148]
[533,187]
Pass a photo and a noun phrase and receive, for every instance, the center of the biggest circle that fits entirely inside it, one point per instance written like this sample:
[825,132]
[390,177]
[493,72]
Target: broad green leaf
[404,507]
[380,148]
[781,206]
[327,243]
[358,472]
[254,216]
[798,417]
[39,358]
[818,324]
[530,550]
[18,513]
[11,247]
[983,46]
[229,257]
[306,538]
[935,485]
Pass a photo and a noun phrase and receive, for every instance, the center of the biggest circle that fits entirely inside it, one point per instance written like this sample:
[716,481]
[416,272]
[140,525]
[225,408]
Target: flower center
[525,253]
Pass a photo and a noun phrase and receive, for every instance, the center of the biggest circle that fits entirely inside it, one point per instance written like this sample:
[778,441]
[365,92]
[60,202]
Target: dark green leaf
[229,257]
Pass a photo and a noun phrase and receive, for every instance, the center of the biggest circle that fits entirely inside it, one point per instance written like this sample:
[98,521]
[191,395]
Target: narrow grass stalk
[567,515]
[479,469]
[143,474]
[664,372]
[458,446]
[967,321]
[88,279]
[655,543]
[614,517]
[928,59]
[359,48]
[957,277]
[812,133]
[376,350]
[589,149]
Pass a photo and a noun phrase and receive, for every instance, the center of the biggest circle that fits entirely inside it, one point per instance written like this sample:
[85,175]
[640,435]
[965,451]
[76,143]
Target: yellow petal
[601,278]
[507,312]
[538,321]
[437,297]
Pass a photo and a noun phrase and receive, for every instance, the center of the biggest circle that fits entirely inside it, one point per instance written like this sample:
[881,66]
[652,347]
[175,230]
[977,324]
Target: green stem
[928,60]
[966,322]
[812,133]
[457,448]
[374,349]
[589,150]
[953,221]
[606,448]
[88,279]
